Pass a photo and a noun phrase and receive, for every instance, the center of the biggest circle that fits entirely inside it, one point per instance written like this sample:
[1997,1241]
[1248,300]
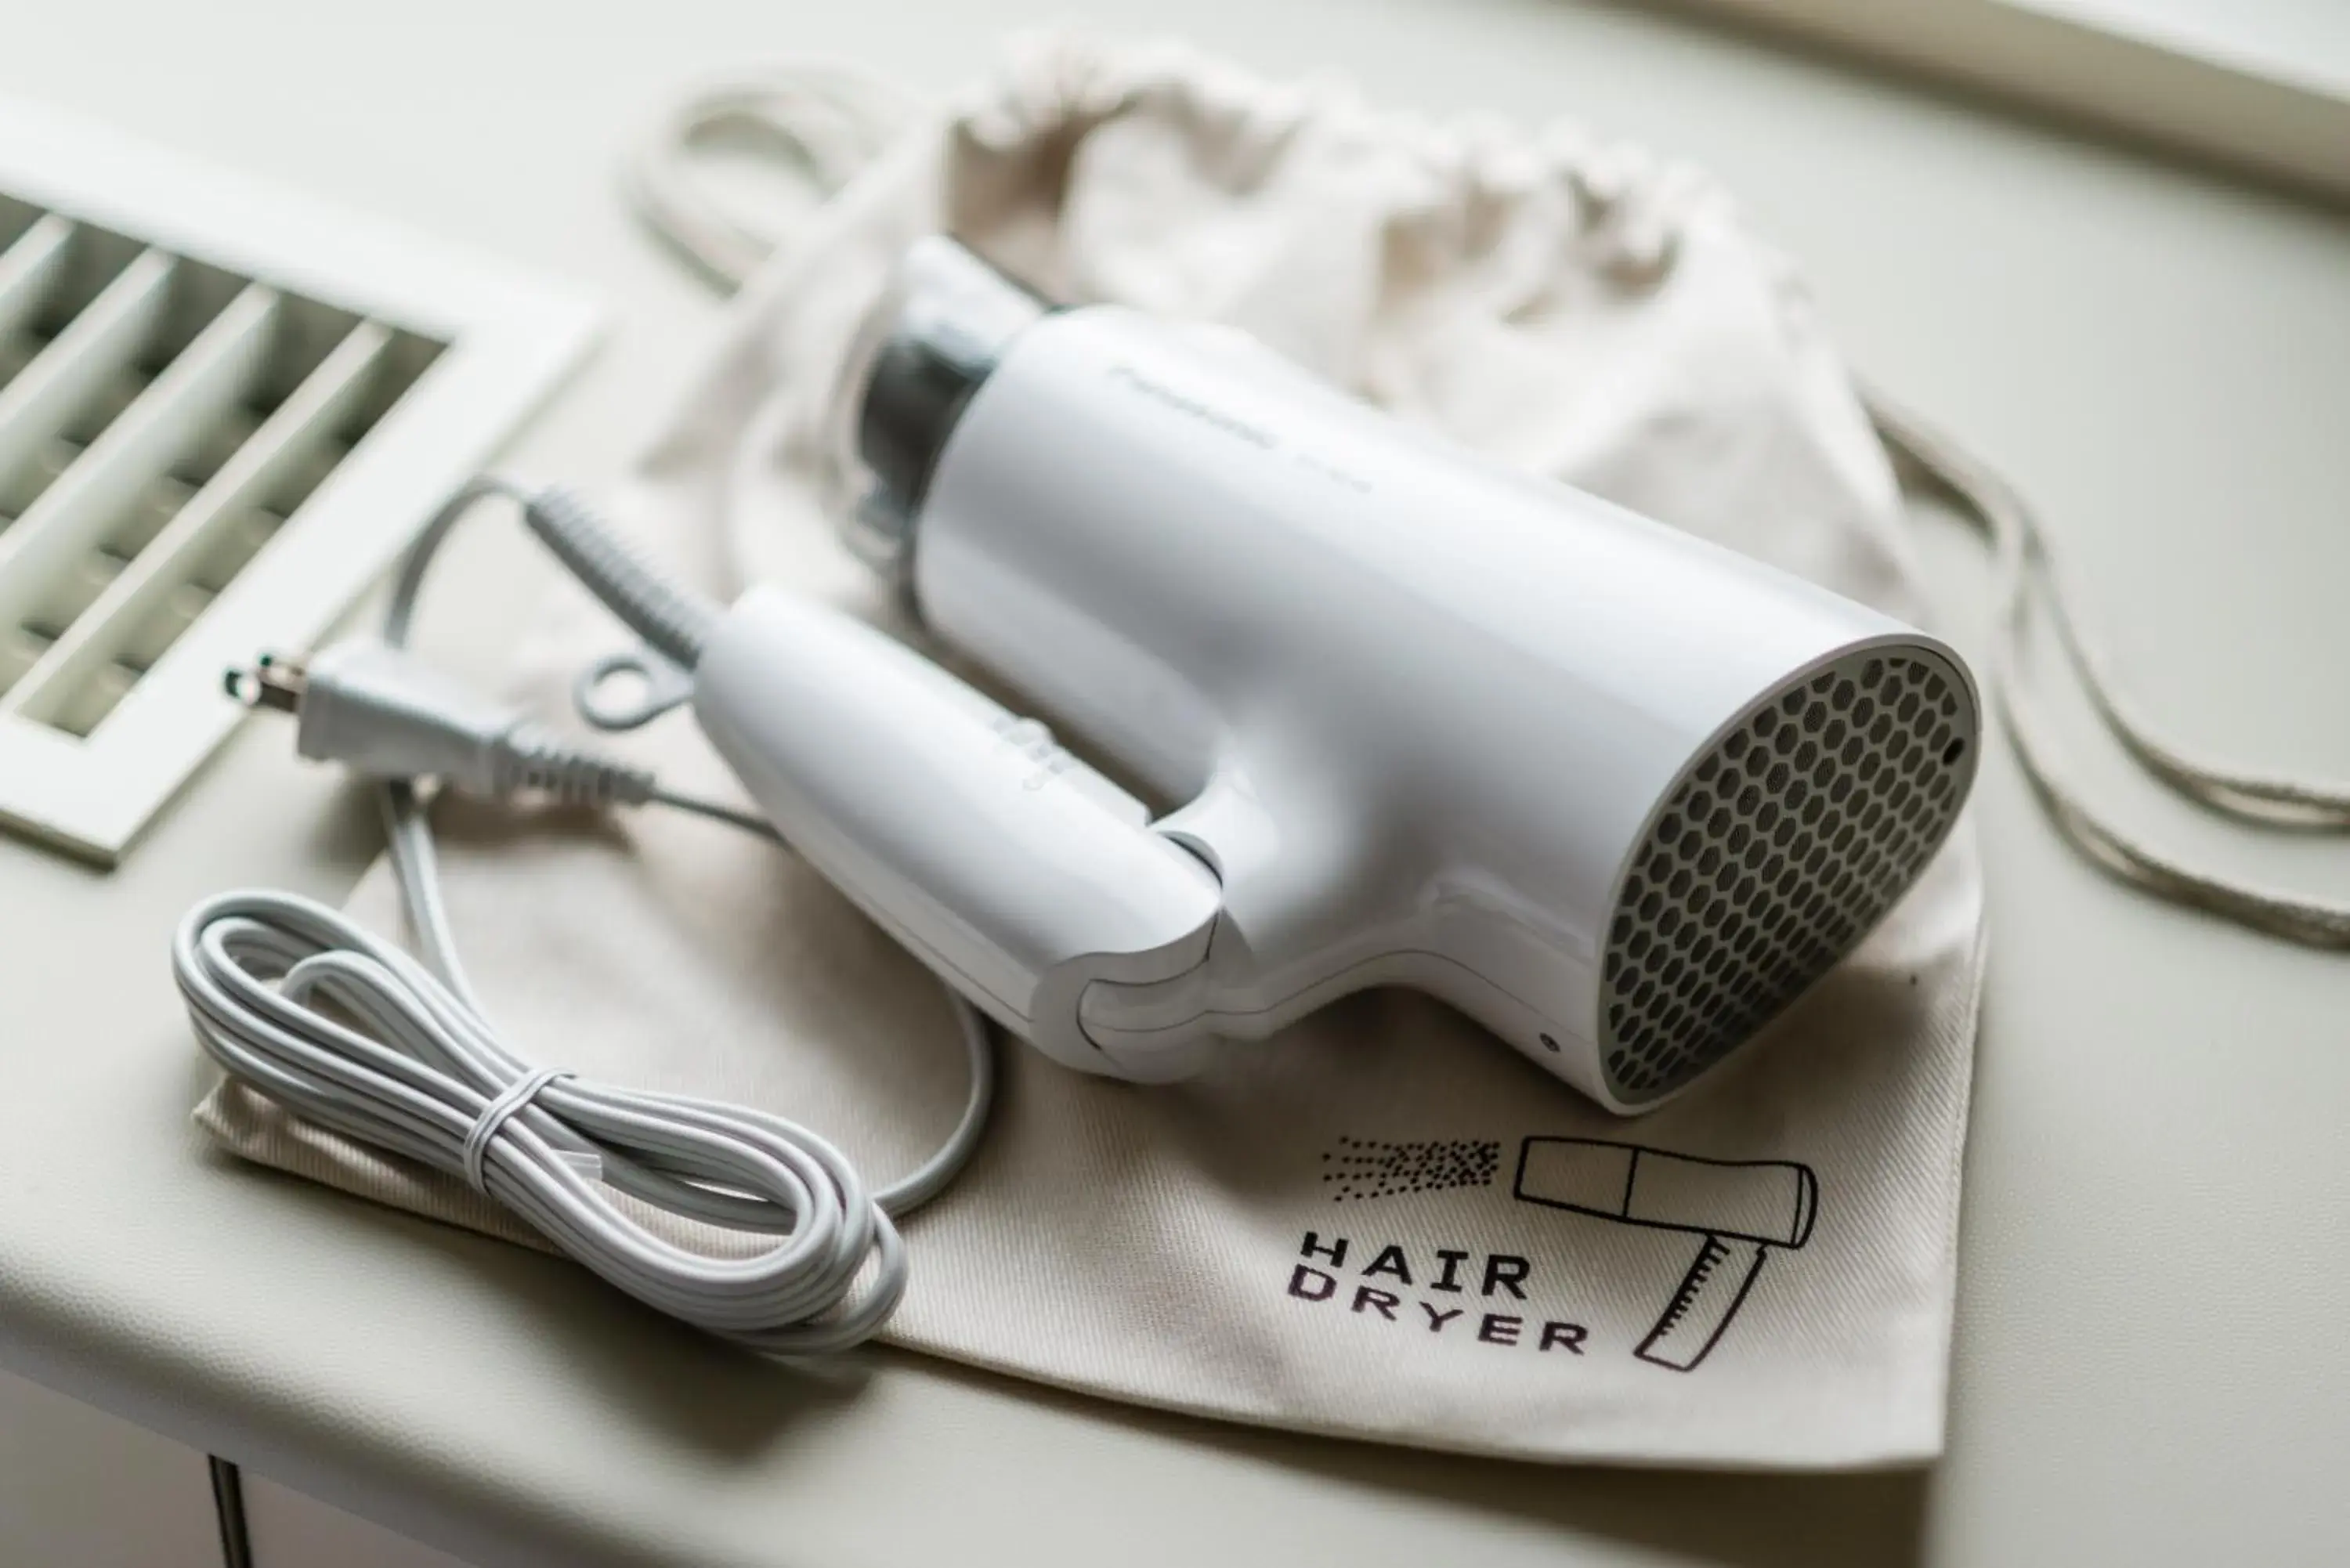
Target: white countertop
[2149,1364]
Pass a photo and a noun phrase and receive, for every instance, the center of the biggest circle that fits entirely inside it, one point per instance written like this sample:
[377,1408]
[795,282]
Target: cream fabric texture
[1382,1223]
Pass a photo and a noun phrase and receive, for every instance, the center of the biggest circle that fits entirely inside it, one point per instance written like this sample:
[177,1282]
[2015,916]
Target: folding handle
[1011,868]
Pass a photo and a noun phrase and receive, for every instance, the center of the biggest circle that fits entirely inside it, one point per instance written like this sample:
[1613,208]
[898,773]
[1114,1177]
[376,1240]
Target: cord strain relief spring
[672,618]
[535,759]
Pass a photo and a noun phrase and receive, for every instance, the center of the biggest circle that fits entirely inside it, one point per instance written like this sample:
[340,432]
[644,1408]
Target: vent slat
[97,697]
[73,515]
[82,361]
[29,269]
[149,639]
[19,650]
[125,611]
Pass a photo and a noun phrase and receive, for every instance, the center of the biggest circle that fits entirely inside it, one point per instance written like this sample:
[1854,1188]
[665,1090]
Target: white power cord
[346,1030]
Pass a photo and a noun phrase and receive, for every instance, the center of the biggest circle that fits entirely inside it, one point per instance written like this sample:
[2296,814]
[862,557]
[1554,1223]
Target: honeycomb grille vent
[1776,853]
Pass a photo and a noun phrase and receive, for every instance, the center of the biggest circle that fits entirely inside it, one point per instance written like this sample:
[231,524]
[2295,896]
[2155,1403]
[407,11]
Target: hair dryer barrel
[1617,793]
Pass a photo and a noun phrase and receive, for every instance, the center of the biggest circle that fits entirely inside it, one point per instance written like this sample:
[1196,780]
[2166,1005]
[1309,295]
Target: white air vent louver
[222,412]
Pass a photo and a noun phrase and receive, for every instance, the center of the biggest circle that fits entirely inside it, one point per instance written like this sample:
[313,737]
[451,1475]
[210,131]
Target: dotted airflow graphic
[1358,1169]
[1775,854]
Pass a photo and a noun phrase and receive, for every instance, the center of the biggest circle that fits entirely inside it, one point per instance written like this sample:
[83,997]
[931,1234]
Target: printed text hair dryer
[1617,793]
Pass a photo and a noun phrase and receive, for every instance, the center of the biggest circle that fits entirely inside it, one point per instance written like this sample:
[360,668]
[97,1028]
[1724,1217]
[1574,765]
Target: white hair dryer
[1616,793]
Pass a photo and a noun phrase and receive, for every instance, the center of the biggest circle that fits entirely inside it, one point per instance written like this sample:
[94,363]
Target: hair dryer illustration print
[1739,1209]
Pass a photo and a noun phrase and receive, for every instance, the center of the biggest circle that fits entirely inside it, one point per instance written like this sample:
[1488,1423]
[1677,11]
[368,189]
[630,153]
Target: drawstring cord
[2024,574]
[829,120]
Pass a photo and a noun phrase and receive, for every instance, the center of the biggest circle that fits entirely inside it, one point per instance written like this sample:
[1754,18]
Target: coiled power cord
[301,1004]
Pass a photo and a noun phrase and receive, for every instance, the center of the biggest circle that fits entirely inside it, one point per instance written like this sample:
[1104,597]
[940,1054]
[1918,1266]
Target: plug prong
[272,682]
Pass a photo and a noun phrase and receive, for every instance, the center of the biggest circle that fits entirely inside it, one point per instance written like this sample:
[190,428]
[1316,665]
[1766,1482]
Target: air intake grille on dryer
[1776,853]
[222,411]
